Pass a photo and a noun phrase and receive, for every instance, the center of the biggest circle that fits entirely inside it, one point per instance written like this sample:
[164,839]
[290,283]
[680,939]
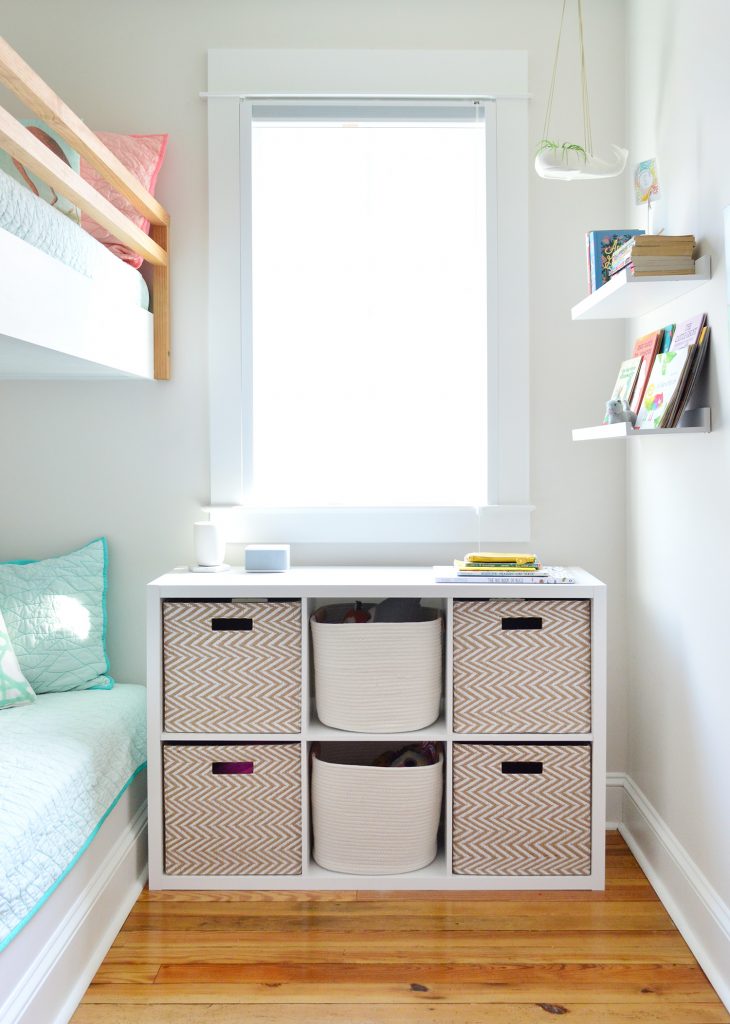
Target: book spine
[594,256]
[503,575]
[589,263]
[617,267]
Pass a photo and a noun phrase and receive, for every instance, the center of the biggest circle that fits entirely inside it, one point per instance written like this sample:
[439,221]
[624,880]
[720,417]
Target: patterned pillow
[31,180]
[55,613]
[14,687]
[143,156]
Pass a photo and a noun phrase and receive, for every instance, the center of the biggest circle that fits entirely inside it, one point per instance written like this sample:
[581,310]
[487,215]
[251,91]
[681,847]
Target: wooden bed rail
[31,90]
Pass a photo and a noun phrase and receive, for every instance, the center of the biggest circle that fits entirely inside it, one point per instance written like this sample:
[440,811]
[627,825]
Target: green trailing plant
[564,148]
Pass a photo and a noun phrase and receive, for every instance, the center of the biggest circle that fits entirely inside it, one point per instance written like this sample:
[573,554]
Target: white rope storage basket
[377,676]
[375,821]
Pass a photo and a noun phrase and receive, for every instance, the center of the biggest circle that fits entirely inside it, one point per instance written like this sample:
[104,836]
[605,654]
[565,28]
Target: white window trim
[501,78]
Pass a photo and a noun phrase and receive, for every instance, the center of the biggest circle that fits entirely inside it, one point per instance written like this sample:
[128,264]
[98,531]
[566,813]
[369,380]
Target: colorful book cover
[663,381]
[687,332]
[503,557]
[626,380]
[601,247]
[485,569]
[646,348]
[692,368]
[667,335]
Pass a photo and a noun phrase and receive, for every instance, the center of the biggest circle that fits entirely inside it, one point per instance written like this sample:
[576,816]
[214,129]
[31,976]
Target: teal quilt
[64,762]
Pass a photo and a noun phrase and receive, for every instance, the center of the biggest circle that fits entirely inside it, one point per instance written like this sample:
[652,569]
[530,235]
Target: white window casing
[499,79]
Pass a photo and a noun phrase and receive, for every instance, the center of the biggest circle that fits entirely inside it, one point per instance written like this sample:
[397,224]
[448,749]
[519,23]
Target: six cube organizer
[270,718]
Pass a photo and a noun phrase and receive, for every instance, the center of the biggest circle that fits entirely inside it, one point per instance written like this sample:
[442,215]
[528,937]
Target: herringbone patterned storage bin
[522,809]
[233,809]
[522,666]
[232,667]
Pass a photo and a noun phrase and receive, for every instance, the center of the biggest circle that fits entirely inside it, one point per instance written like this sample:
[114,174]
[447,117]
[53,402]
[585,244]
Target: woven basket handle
[231,625]
[522,622]
[521,767]
[233,767]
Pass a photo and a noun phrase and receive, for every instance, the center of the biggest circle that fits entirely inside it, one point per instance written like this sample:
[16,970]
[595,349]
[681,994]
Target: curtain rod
[363,98]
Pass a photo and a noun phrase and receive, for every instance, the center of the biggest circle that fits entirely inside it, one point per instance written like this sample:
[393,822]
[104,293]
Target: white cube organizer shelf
[233,725]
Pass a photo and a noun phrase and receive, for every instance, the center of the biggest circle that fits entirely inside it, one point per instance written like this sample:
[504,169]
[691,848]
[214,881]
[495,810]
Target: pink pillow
[143,156]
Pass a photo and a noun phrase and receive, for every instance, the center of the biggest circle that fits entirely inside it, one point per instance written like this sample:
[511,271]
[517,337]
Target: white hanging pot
[565,164]
[570,162]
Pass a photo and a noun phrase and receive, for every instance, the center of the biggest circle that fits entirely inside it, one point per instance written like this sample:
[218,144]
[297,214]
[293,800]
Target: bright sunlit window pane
[369,313]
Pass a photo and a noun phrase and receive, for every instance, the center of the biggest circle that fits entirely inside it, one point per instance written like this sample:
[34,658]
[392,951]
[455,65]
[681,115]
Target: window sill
[497,523]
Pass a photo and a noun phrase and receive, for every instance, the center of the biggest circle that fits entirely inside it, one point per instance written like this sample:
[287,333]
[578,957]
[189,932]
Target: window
[360,381]
[369,300]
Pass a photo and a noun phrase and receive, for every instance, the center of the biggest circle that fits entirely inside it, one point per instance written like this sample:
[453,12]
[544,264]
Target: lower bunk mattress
[64,763]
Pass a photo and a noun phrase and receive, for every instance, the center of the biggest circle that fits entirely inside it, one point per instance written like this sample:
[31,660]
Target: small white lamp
[210,548]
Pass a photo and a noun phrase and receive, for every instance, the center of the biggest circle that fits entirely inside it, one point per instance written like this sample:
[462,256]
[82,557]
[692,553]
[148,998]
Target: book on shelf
[683,244]
[600,247]
[687,332]
[646,349]
[550,574]
[662,384]
[655,255]
[628,373]
[500,558]
[667,390]
[667,335]
[517,574]
[690,373]
[664,272]
[662,263]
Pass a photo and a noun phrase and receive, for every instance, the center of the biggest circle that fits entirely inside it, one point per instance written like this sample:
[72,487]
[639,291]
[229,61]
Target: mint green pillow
[55,613]
[14,687]
[30,179]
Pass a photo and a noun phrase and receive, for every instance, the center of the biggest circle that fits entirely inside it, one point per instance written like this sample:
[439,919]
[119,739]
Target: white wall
[679,487]
[130,459]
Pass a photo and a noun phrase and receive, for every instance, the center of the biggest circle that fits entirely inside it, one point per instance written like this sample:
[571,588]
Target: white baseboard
[696,908]
[52,980]
[614,799]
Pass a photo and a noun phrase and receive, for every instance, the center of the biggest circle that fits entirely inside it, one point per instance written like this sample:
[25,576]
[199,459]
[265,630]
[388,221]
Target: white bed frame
[48,966]
[55,322]
[76,331]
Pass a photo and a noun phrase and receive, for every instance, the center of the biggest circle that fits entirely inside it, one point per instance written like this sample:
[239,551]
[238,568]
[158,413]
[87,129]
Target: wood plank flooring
[351,957]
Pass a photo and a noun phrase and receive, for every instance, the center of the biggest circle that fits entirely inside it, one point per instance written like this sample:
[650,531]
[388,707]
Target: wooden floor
[375,958]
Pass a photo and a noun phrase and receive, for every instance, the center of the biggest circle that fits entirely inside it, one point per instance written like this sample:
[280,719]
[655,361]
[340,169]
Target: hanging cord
[587,133]
[551,92]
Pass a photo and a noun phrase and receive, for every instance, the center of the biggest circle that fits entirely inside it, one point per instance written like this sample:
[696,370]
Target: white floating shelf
[694,421]
[626,295]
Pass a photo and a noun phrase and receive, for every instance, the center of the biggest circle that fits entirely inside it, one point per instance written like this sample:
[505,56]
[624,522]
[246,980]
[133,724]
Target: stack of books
[501,567]
[498,565]
[674,375]
[661,375]
[655,256]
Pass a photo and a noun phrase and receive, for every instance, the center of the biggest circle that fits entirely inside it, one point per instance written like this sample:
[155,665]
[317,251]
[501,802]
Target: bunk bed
[68,307]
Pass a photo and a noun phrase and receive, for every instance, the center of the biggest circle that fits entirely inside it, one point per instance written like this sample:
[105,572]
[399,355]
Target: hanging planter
[569,161]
